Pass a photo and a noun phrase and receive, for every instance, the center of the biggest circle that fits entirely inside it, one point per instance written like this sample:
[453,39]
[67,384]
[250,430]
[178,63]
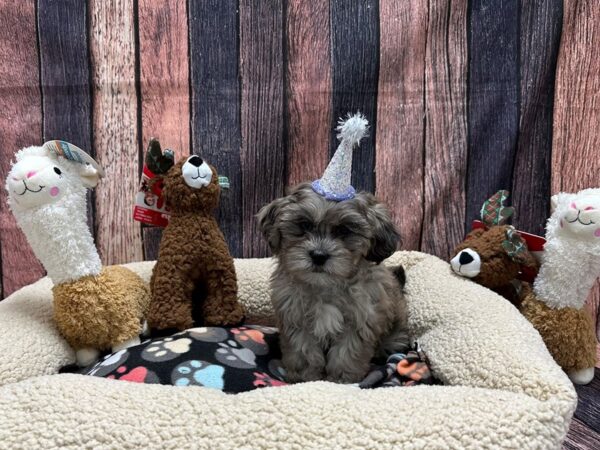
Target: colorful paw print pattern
[233,360]
[199,373]
[167,348]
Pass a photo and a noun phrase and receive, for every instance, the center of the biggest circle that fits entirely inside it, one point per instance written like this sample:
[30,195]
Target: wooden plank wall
[460,95]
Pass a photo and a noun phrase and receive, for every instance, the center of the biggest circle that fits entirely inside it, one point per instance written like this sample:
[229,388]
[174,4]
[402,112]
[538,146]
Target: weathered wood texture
[20,126]
[493,91]
[115,128]
[263,154]
[308,89]
[164,86]
[215,101]
[446,127]
[541,25]
[576,139]
[581,437]
[355,75]
[400,133]
[65,77]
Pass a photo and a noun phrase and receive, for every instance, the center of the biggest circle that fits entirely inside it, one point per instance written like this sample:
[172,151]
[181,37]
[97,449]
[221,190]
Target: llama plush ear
[553,203]
[89,176]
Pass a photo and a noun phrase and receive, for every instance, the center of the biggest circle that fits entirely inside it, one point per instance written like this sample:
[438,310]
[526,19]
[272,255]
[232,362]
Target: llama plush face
[578,215]
[40,178]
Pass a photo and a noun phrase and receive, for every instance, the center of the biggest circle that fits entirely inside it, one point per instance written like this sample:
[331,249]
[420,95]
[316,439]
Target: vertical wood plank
[446,127]
[115,128]
[216,131]
[576,139]
[355,74]
[65,76]
[581,437]
[20,126]
[308,88]
[541,25]
[493,91]
[262,150]
[164,85]
[400,112]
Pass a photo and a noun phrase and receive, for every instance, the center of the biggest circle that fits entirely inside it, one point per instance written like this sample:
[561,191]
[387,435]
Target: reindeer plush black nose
[465,258]
[318,257]
[195,161]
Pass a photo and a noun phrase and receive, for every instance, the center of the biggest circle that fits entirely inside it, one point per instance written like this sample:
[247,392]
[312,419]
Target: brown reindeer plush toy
[194,270]
[495,255]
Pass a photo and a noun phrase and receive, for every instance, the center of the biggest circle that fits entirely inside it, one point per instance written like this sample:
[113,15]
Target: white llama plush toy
[570,267]
[95,308]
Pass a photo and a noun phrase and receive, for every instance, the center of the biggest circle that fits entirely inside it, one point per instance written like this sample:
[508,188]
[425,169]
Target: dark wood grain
[262,151]
[576,137]
[164,85]
[115,129]
[401,106]
[446,127]
[308,88]
[152,237]
[581,437]
[65,77]
[541,25]
[589,399]
[355,74]
[216,131]
[493,91]
[20,126]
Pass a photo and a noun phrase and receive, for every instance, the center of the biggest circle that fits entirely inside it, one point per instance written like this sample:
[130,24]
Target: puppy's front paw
[303,376]
[346,376]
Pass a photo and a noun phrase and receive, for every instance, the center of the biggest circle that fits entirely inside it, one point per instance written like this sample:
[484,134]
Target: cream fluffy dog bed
[502,388]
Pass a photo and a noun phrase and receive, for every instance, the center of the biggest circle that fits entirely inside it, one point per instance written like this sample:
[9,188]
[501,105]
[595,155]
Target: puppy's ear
[385,237]
[267,222]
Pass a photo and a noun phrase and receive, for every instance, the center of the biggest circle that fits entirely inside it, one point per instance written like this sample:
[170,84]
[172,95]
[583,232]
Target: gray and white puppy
[336,306]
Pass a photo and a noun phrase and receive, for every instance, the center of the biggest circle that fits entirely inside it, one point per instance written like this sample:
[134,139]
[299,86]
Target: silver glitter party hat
[335,182]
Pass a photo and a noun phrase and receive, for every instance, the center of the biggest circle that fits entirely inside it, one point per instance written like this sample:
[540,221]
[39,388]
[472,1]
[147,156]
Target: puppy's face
[316,239]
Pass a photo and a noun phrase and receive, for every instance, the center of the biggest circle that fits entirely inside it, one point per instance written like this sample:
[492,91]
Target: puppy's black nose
[195,161]
[465,258]
[318,257]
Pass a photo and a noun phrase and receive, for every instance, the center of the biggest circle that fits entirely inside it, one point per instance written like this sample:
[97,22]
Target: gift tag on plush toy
[150,207]
[73,153]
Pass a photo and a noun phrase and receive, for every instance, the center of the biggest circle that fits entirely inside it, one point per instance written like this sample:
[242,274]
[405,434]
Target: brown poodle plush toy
[194,270]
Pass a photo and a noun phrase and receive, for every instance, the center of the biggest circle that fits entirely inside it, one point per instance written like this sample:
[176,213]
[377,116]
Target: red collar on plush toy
[535,244]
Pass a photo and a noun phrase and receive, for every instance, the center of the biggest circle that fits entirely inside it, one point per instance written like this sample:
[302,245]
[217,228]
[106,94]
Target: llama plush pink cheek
[597,233]
[54,191]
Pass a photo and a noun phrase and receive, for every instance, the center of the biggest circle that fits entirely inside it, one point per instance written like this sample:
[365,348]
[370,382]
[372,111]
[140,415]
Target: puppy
[335,305]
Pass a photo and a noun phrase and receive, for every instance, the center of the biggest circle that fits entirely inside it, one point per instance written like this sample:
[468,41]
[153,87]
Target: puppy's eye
[305,226]
[57,171]
[341,231]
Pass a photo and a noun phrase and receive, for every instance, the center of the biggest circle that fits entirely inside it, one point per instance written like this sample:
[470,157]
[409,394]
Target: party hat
[335,182]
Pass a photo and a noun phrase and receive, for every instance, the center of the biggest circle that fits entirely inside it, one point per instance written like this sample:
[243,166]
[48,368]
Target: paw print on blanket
[264,380]
[166,349]
[138,374]
[263,329]
[251,339]
[276,369]
[231,354]
[208,334]
[109,363]
[198,373]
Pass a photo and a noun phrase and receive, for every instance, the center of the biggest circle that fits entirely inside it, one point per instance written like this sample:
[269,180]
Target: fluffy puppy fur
[193,255]
[335,305]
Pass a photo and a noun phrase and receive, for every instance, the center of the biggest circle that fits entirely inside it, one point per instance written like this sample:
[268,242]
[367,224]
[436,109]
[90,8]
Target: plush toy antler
[493,211]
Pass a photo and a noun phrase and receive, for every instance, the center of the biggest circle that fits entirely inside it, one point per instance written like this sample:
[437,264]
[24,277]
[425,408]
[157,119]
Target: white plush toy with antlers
[95,308]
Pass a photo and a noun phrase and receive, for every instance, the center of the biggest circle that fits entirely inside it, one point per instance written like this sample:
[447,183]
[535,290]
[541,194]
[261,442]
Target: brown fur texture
[193,253]
[498,270]
[101,311]
[567,332]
